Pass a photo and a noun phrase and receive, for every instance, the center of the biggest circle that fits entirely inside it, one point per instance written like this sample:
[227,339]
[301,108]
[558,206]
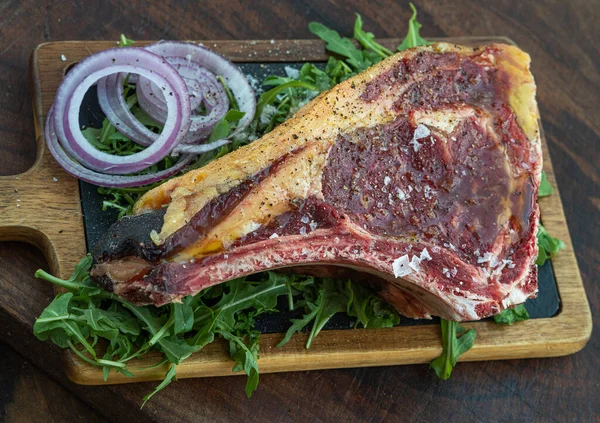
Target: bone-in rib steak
[418,177]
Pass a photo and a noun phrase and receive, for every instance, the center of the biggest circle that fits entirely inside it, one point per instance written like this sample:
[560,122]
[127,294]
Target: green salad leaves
[545,188]
[548,246]
[86,316]
[512,315]
[456,340]
[413,38]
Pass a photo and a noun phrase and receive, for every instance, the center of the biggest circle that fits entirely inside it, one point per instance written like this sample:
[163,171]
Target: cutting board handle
[23,211]
[41,206]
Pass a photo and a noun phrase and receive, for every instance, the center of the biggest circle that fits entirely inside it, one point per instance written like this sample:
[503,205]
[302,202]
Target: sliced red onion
[182,83]
[146,104]
[193,75]
[112,102]
[130,60]
[203,87]
[113,181]
[218,65]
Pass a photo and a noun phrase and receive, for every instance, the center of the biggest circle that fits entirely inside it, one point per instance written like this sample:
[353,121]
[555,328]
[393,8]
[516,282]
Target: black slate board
[97,222]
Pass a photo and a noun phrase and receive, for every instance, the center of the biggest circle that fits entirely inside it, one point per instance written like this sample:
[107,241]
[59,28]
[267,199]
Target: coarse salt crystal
[427,192]
[414,263]
[401,267]
[63,57]
[291,72]
[421,131]
[449,246]
[489,257]
[273,236]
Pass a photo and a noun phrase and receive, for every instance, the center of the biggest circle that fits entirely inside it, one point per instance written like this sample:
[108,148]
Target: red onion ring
[112,181]
[218,65]
[203,87]
[191,74]
[118,113]
[77,82]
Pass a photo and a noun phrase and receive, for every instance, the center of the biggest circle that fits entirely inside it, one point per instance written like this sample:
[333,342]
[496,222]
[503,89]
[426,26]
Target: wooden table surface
[562,38]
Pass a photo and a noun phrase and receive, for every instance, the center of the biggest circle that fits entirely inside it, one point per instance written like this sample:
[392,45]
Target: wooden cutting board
[42,206]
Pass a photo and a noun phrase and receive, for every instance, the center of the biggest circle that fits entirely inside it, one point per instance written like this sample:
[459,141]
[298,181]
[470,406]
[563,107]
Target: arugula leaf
[548,246]
[324,297]
[183,320]
[329,302]
[367,39]
[453,347]
[80,274]
[545,188]
[169,377]
[413,38]
[125,42]
[269,97]
[145,119]
[232,100]
[234,115]
[245,357]
[242,295]
[370,310]
[299,324]
[220,131]
[512,315]
[340,45]
[109,324]
[50,324]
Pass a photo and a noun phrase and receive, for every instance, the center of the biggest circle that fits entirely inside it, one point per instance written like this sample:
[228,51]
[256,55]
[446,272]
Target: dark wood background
[562,38]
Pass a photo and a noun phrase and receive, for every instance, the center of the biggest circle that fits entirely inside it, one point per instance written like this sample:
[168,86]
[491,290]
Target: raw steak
[418,177]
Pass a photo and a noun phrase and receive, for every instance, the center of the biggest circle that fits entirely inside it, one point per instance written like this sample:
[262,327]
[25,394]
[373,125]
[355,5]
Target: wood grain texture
[562,39]
[35,397]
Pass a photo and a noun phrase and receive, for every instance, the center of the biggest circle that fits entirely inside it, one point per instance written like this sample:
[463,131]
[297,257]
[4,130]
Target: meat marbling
[418,176]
